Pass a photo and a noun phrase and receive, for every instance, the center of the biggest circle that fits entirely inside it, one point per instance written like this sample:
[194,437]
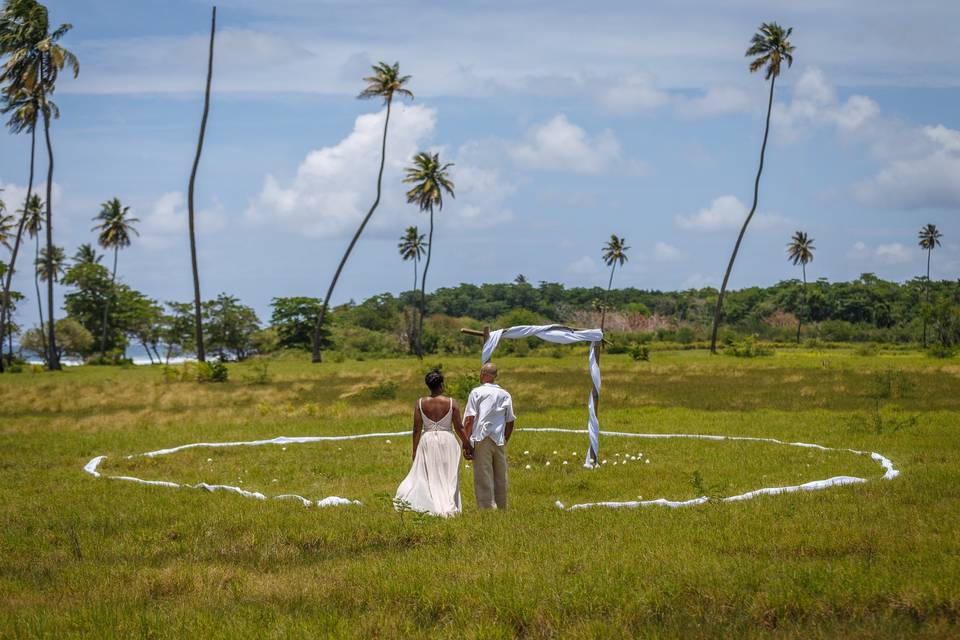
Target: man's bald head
[488,372]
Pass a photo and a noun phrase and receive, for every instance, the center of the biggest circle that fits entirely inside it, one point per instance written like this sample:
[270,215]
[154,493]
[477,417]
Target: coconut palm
[770,48]
[412,247]
[197,306]
[33,66]
[51,262]
[614,253]
[7,225]
[115,226]
[430,179]
[385,83]
[800,251]
[929,240]
[22,107]
[33,225]
[86,254]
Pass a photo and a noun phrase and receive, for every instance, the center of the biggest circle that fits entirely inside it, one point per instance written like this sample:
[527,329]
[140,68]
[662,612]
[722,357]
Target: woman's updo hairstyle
[434,381]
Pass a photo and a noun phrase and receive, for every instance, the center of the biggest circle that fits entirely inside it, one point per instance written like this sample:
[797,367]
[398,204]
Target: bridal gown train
[433,484]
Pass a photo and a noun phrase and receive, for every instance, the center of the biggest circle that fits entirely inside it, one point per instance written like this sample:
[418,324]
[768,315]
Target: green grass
[86,557]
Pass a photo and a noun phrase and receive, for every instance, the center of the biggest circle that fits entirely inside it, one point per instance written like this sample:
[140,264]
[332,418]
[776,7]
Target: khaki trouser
[490,474]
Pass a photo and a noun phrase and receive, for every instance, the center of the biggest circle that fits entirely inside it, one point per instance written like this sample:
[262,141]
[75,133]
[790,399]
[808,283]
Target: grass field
[87,557]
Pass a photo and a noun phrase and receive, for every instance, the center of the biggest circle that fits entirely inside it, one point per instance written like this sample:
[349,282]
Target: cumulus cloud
[882,254]
[334,186]
[726,212]
[814,103]
[560,145]
[14,195]
[928,175]
[166,220]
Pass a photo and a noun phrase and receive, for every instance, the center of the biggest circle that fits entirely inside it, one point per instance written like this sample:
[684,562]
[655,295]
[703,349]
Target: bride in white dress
[433,484]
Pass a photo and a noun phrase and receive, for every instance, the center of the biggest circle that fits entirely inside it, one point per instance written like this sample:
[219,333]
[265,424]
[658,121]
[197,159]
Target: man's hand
[468,452]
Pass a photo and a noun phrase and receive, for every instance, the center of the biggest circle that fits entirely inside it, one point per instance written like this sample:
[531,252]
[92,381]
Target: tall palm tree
[197,305]
[614,253]
[385,83]
[800,251]
[86,254]
[33,215]
[6,227]
[35,60]
[929,240]
[115,226]
[22,106]
[411,248]
[770,47]
[430,179]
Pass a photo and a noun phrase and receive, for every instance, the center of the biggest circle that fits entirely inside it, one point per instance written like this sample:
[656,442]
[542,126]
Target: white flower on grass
[633,457]
[604,462]
[526,453]
[283,449]
[617,455]
[274,480]
[209,459]
[647,460]
[388,442]
[565,462]
[527,467]
[466,466]
[554,453]
[614,463]
[574,454]
[548,463]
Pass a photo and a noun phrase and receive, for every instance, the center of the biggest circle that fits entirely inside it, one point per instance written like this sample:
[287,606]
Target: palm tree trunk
[53,361]
[800,315]
[413,320]
[317,357]
[423,288]
[743,229]
[926,292]
[36,285]
[197,313]
[106,304]
[4,302]
[603,309]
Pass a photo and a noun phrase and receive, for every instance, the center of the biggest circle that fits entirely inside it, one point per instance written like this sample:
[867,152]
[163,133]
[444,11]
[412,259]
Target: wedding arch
[560,335]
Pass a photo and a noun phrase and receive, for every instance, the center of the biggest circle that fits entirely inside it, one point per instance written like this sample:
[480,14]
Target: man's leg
[500,475]
[483,483]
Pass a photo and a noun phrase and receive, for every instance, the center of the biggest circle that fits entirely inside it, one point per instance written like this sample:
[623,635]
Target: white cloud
[166,220]
[561,145]
[814,103]
[882,254]
[584,266]
[924,174]
[14,196]
[664,252]
[726,212]
[335,186]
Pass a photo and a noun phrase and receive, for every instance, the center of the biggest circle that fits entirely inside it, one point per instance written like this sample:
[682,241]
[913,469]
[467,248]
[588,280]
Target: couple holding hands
[433,483]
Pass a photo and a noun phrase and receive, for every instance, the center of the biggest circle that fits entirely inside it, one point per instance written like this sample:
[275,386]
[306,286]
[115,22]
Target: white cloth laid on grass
[562,335]
[433,484]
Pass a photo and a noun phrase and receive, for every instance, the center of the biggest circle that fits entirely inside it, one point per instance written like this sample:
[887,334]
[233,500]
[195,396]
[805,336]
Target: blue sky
[566,122]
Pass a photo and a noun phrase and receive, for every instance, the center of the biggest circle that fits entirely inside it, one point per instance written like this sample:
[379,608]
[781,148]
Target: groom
[489,419]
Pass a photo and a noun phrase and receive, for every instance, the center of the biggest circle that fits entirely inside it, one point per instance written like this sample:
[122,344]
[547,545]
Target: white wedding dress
[433,484]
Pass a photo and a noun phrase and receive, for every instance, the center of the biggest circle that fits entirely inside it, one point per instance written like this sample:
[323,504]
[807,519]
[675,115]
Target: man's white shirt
[492,408]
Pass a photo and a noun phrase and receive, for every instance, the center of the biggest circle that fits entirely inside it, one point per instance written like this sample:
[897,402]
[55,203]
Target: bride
[433,484]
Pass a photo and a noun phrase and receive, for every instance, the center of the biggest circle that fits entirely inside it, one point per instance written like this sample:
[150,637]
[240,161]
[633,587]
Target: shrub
[866,350]
[748,347]
[460,386]
[940,351]
[260,372]
[640,352]
[383,391]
